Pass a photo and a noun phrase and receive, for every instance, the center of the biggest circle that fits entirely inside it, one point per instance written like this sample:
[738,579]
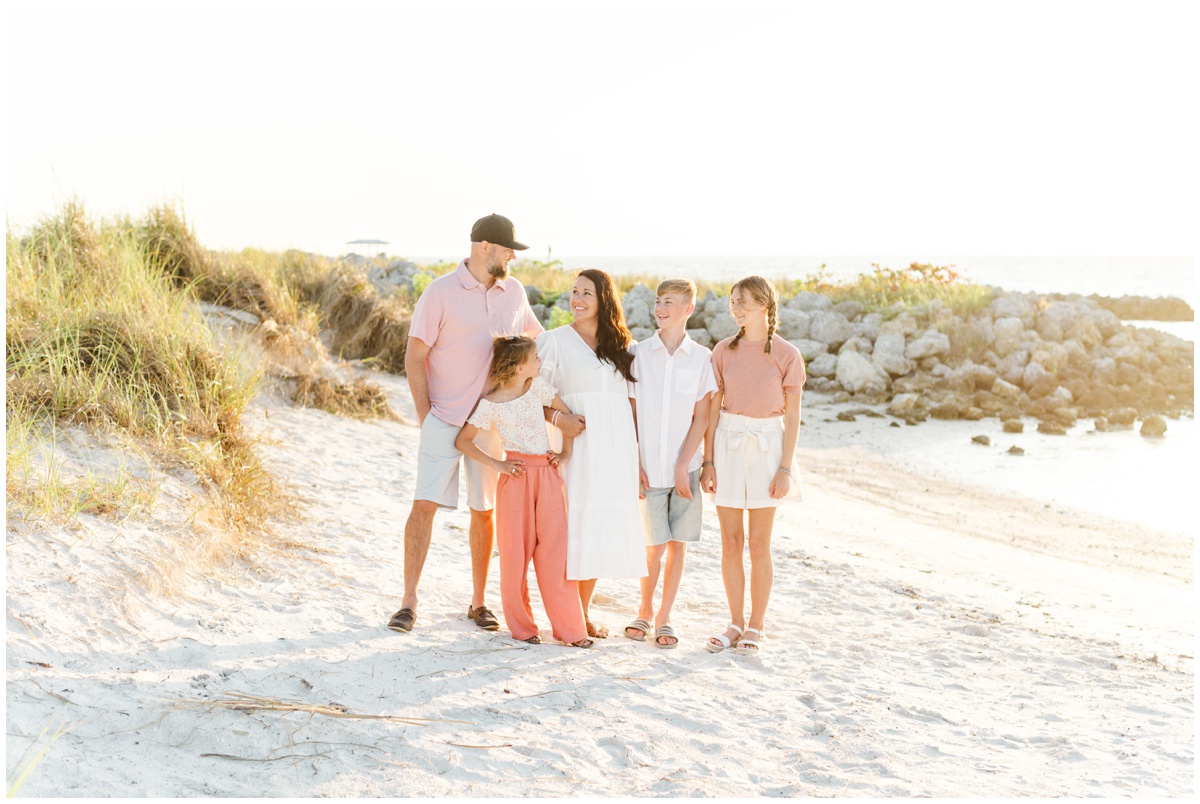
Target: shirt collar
[686,344]
[468,280]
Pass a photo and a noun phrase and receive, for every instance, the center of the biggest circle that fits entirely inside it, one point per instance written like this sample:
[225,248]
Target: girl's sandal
[533,640]
[665,630]
[583,643]
[751,647]
[721,641]
[639,625]
[597,631]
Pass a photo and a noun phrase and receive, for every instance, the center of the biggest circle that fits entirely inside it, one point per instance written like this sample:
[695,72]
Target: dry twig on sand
[241,702]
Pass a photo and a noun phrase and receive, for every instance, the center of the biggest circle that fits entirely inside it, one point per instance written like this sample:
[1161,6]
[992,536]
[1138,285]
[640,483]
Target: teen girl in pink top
[748,451]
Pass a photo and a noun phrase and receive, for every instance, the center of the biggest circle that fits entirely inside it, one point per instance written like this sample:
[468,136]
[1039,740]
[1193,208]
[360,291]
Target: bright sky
[616,128]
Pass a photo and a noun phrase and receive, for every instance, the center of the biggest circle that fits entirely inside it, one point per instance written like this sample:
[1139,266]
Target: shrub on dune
[96,336]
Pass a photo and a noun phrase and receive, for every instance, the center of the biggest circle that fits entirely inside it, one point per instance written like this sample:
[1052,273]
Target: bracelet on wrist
[785,470]
[554,417]
[706,463]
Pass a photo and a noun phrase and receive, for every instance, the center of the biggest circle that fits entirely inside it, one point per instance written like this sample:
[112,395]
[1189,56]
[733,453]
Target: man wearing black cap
[449,353]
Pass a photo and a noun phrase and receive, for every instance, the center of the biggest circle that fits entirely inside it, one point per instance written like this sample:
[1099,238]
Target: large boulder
[831,329]
[810,349]
[903,323]
[793,324]
[721,326]
[1013,305]
[849,309]
[931,344]
[640,334]
[822,366]
[639,307]
[869,326]
[700,315]
[908,406]
[857,344]
[1005,389]
[888,354]
[391,278]
[857,374]
[701,336]
[808,301]
[1010,333]
[1036,381]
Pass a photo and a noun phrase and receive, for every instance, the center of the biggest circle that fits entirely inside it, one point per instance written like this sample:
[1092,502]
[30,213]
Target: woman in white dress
[589,362]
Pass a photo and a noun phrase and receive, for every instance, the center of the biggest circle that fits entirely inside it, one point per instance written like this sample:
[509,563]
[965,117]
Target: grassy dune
[104,333]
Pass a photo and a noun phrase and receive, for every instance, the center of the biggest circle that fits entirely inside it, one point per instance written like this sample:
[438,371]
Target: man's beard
[498,270]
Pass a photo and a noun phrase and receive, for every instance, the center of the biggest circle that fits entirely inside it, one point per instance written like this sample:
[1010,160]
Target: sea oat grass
[357,399]
[97,335]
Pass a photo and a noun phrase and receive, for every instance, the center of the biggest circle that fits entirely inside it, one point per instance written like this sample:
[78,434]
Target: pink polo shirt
[458,318]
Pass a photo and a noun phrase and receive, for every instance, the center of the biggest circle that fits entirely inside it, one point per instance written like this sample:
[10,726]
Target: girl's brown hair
[508,355]
[763,292]
[612,336]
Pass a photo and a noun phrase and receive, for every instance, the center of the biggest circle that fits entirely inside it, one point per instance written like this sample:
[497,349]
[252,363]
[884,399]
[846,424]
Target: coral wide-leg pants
[531,525]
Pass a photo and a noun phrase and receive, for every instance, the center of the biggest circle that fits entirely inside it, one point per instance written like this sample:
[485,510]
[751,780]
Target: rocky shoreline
[1055,358]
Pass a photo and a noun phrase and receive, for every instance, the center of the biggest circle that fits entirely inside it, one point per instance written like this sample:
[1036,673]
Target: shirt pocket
[687,381]
[505,323]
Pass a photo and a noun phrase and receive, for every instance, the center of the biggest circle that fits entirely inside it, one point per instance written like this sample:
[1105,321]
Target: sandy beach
[926,637]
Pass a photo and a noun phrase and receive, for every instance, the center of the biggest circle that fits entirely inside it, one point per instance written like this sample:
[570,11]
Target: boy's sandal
[751,647]
[639,625]
[721,641]
[665,630]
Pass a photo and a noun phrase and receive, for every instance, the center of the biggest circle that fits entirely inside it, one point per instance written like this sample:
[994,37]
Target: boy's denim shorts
[668,517]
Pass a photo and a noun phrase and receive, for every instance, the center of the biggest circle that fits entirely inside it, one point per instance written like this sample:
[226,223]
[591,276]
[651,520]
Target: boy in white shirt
[670,399]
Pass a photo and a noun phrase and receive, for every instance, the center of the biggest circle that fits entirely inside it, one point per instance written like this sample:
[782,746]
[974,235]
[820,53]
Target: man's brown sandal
[402,620]
[484,618]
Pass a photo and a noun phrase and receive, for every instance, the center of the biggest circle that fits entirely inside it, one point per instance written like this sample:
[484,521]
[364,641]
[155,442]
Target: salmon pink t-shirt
[752,381]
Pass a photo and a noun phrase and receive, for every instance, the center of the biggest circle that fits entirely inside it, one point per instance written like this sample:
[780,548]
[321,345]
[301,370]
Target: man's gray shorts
[668,517]
[437,467]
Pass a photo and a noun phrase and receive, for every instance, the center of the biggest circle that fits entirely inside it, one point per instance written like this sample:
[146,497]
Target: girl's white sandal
[751,647]
[724,640]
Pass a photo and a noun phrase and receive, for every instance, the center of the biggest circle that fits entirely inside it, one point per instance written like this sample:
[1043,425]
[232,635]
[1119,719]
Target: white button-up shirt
[666,392]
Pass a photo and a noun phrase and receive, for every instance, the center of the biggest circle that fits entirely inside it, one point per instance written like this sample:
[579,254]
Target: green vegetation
[884,290]
[887,290]
[95,336]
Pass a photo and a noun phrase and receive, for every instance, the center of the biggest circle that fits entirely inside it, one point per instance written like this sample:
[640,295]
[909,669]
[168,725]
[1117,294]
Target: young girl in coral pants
[531,513]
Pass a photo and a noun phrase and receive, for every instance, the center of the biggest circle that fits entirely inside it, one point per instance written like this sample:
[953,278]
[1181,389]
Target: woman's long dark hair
[612,336]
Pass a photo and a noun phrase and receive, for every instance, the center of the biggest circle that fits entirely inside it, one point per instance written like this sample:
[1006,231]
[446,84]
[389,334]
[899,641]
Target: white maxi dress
[604,526]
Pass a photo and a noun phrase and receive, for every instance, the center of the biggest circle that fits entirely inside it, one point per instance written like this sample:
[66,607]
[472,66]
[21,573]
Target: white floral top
[520,422]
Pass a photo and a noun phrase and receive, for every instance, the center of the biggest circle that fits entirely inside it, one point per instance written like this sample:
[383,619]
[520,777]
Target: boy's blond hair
[684,287]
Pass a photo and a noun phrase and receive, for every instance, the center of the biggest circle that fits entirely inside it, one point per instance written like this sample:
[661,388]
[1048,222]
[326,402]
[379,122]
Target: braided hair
[763,292]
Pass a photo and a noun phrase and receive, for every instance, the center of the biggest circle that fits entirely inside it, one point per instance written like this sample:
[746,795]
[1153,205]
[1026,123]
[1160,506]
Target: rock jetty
[1056,358]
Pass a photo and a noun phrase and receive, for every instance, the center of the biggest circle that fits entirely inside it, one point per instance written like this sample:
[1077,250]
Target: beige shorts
[437,467]
[746,455]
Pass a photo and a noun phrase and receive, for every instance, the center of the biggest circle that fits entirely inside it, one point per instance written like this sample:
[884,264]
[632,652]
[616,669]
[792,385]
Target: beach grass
[97,335]
[884,289]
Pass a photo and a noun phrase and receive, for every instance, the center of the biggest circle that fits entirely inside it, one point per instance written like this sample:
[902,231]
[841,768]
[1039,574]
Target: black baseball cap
[496,229]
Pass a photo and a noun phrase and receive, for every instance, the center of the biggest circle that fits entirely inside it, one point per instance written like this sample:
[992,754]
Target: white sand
[925,639]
